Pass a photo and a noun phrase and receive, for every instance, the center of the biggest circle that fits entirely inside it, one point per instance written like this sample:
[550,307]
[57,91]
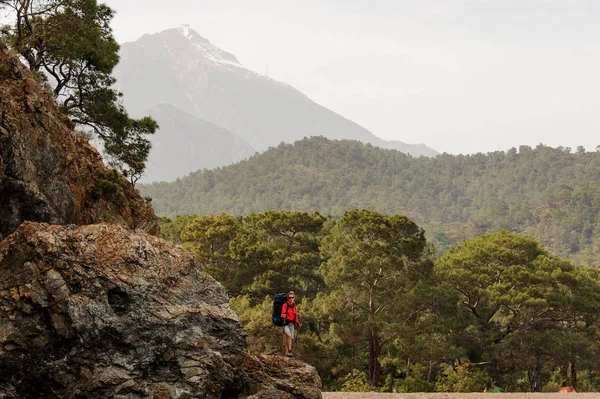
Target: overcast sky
[459,76]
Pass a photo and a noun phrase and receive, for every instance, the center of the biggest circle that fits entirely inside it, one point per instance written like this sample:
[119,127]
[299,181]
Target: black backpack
[278,302]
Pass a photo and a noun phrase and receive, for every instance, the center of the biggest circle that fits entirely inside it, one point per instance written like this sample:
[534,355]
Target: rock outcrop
[102,312]
[50,174]
[276,377]
[92,305]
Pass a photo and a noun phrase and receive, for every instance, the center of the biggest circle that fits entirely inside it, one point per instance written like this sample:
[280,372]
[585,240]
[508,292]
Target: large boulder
[49,173]
[99,311]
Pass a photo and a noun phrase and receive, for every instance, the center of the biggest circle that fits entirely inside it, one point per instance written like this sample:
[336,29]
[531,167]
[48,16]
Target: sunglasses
[290,297]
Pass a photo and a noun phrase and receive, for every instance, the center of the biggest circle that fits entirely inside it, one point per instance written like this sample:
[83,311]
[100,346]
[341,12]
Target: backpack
[278,302]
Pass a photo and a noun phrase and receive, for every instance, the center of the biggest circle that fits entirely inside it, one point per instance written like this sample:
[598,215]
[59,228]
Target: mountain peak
[191,34]
[204,46]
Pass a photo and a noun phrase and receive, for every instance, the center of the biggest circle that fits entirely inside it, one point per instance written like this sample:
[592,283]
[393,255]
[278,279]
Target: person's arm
[284,311]
[297,321]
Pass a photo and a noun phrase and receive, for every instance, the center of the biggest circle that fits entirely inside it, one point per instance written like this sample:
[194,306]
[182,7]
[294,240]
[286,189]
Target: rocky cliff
[92,306]
[50,174]
[99,311]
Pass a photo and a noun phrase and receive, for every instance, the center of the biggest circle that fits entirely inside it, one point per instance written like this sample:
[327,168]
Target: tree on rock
[69,44]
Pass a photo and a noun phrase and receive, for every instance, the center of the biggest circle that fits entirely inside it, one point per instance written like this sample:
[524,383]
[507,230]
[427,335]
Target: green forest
[550,194]
[381,311]
[411,274]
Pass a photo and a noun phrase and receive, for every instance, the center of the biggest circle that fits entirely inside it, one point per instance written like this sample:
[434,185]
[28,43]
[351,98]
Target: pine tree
[69,44]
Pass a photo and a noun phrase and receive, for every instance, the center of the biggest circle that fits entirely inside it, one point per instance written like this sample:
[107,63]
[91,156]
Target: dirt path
[371,395]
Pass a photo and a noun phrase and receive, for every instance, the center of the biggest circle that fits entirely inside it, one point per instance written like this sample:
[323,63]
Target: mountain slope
[548,193]
[185,143]
[181,68]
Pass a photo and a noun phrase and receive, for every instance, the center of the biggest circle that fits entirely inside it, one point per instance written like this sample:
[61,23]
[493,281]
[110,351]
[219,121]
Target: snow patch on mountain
[210,52]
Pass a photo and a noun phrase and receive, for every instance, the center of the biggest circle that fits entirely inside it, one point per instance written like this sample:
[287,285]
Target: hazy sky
[460,76]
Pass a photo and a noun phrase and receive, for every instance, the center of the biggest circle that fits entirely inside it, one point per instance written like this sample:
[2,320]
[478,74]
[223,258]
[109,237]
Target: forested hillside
[552,194]
[381,312]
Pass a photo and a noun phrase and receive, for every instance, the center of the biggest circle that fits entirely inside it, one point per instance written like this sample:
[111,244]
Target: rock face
[101,312]
[50,174]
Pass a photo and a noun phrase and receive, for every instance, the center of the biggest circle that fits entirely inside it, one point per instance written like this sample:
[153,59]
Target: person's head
[291,296]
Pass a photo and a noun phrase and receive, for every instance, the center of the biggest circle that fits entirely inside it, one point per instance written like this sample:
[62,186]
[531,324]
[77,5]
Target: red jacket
[290,312]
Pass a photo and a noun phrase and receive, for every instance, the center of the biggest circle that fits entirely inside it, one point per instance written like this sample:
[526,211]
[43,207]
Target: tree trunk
[353,345]
[374,353]
[536,380]
[408,366]
[374,346]
[430,372]
[573,375]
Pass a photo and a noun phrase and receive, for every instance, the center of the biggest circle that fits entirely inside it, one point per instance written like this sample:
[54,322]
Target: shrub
[462,377]
[356,381]
[105,188]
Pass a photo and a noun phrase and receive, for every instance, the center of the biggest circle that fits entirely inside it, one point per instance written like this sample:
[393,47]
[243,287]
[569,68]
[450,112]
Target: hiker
[289,312]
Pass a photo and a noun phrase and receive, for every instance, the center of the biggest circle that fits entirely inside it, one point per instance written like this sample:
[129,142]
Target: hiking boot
[290,355]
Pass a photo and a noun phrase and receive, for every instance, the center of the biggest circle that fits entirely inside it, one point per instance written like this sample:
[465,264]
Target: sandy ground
[369,395]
